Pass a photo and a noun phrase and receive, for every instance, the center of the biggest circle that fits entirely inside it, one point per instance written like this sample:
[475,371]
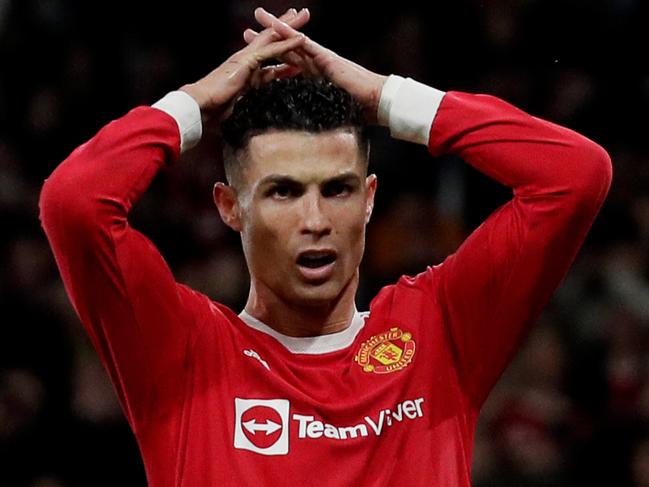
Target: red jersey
[217,398]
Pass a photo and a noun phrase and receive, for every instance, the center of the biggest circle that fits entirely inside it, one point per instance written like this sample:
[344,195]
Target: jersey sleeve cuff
[187,114]
[408,108]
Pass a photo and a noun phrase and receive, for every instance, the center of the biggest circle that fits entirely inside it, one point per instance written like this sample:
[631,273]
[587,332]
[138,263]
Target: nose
[314,218]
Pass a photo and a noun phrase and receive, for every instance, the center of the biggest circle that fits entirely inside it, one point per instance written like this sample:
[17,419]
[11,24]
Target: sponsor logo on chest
[262,425]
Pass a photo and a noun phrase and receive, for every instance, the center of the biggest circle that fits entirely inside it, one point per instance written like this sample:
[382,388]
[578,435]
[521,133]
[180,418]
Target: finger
[249,35]
[270,73]
[302,17]
[310,47]
[288,15]
[298,57]
[313,49]
[276,49]
[268,34]
[268,20]
[296,22]
[287,70]
[281,47]
[265,18]
[291,57]
[307,62]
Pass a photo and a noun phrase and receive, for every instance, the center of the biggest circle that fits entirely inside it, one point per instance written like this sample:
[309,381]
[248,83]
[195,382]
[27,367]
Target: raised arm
[496,284]
[501,277]
[139,319]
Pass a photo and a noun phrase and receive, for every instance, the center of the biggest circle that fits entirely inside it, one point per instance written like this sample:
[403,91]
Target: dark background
[572,409]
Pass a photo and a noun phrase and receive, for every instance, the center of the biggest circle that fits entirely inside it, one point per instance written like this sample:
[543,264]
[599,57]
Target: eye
[282,191]
[336,188]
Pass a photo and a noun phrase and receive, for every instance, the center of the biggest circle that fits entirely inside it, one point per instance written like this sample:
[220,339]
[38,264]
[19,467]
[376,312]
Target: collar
[311,345]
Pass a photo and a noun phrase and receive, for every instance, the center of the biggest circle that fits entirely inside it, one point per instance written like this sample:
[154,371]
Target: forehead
[304,156]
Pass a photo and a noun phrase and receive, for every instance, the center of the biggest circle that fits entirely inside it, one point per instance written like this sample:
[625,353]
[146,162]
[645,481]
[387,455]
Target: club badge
[386,352]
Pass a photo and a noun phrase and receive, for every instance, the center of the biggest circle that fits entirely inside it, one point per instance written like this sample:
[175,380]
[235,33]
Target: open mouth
[314,259]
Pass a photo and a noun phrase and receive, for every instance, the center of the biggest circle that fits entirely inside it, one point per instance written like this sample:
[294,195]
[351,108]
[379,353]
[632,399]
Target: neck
[302,320]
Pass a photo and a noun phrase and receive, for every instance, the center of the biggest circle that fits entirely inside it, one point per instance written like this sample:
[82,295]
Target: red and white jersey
[219,398]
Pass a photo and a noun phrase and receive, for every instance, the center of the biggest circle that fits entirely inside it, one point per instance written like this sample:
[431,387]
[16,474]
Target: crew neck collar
[311,345]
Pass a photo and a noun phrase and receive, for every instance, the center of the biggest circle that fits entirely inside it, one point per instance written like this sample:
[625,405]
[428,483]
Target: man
[300,387]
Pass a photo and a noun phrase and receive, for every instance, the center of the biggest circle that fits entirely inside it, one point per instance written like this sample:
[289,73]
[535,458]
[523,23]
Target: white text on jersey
[309,427]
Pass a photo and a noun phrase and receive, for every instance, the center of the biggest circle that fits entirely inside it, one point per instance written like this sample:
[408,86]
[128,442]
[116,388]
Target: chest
[384,409]
[395,379]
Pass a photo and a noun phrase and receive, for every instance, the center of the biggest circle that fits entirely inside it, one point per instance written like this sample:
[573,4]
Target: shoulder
[425,281]
[410,290]
[202,307]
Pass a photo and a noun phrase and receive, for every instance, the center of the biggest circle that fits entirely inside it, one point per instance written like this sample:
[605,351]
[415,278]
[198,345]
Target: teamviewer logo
[261,425]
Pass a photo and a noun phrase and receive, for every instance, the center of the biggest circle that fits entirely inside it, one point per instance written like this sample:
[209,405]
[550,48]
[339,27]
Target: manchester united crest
[386,352]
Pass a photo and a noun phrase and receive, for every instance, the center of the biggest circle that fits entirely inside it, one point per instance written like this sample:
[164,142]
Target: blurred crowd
[573,407]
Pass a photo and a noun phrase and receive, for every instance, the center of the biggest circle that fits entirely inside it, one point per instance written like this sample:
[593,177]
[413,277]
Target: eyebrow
[346,177]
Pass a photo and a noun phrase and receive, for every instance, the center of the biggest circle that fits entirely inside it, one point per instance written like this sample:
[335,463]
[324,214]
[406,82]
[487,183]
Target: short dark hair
[293,103]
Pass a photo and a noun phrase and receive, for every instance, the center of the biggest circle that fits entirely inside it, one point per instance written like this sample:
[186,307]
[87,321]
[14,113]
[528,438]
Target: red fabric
[177,358]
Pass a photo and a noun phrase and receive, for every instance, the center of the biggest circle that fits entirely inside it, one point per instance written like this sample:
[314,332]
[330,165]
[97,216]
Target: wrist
[388,93]
[372,111]
[408,108]
[195,92]
[185,110]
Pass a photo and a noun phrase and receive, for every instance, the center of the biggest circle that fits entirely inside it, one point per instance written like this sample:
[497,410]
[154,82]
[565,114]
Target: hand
[216,92]
[314,59]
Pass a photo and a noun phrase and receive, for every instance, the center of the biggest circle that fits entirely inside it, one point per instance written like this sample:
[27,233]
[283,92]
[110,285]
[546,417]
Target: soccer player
[300,387]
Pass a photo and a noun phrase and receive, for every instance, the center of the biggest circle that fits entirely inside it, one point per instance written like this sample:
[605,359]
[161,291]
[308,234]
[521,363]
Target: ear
[227,202]
[371,183]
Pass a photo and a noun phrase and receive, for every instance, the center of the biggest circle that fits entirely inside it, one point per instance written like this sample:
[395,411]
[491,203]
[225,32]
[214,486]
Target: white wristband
[408,107]
[389,91]
[185,110]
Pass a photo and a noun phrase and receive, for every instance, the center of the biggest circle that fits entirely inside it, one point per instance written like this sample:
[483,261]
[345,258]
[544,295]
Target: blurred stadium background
[573,408]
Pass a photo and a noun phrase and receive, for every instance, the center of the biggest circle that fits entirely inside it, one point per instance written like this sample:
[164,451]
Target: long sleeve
[119,285]
[498,281]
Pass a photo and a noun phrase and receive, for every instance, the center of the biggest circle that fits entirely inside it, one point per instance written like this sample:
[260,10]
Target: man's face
[303,204]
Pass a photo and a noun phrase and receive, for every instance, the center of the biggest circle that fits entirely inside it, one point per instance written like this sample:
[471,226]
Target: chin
[316,295]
